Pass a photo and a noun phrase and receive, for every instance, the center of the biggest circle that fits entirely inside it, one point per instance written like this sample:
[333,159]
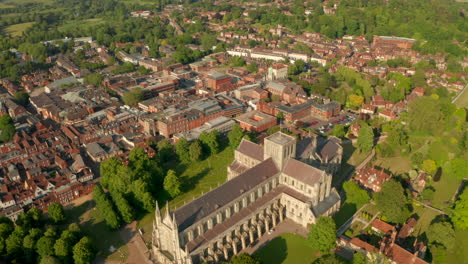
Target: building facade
[272,186]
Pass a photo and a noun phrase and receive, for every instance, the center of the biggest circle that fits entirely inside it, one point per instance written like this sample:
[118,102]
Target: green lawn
[287,249]
[352,155]
[425,216]
[71,25]
[18,29]
[459,254]
[346,211]
[462,101]
[2,5]
[444,191]
[198,178]
[397,165]
[22,2]
[94,226]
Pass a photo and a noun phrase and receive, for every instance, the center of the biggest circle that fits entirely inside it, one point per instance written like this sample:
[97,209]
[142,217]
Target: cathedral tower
[280,147]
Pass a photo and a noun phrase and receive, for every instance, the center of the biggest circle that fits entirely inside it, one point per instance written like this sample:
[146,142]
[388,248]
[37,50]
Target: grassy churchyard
[198,178]
[287,249]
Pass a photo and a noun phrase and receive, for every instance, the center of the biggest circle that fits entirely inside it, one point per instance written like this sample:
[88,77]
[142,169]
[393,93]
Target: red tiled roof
[382,226]
[361,244]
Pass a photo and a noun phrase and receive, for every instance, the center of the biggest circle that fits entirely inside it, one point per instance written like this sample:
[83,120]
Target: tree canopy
[322,235]
[460,211]
[7,128]
[391,200]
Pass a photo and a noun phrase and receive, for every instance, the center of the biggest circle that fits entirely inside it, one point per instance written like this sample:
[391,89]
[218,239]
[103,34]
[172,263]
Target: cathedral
[282,179]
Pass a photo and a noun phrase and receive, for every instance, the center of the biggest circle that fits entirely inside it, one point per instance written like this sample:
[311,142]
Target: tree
[83,251]
[355,100]
[392,202]
[441,233]
[49,260]
[165,150]
[63,248]
[329,259]
[172,183]
[210,140]
[244,259]
[56,212]
[105,207]
[338,131]
[429,166]
[252,67]
[7,128]
[182,150]
[354,194]
[133,97]
[21,98]
[365,140]
[45,246]
[94,79]
[457,167]
[322,235]
[124,208]
[6,226]
[195,150]
[235,136]
[460,211]
[359,258]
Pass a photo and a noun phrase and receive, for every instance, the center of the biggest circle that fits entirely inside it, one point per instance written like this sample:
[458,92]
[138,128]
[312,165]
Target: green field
[425,217]
[18,29]
[71,25]
[397,165]
[287,249]
[198,178]
[22,2]
[459,254]
[94,226]
[444,191]
[462,101]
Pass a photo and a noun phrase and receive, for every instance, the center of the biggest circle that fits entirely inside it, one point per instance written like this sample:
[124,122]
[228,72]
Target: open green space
[23,2]
[18,29]
[198,178]
[287,249]
[70,25]
[352,155]
[459,252]
[444,191]
[425,217]
[346,211]
[94,226]
[3,5]
[462,100]
[397,165]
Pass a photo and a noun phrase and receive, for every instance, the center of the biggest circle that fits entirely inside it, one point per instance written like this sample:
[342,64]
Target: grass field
[397,165]
[425,217]
[198,178]
[287,249]
[3,5]
[444,191]
[459,254]
[18,29]
[94,226]
[71,25]
[462,101]
[22,2]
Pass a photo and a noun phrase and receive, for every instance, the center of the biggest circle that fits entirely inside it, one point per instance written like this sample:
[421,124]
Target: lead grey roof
[302,171]
[250,149]
[219,197]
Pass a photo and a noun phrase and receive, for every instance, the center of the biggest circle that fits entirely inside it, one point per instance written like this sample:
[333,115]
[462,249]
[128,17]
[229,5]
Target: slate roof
[251,149]
[224,194]
[302,171]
